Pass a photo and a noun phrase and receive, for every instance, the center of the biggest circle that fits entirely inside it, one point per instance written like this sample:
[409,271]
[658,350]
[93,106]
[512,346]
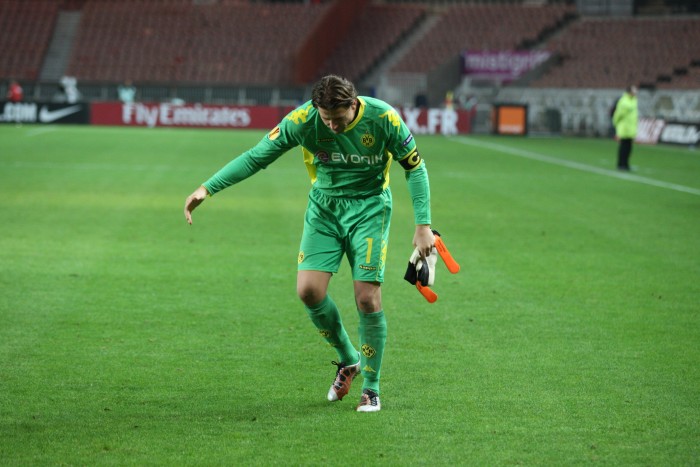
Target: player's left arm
[403,146]
[419,190]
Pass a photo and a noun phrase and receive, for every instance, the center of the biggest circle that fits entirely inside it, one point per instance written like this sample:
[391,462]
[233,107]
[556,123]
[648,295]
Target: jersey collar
[360,112]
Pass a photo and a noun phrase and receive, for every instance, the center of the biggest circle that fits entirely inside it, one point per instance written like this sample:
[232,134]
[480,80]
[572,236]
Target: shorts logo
[323,157]
[368,351]
[367,140]
[300,258]
[324,333]
[274,134]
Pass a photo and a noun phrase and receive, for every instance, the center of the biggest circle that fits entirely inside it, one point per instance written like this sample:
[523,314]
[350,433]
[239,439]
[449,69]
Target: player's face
[339,118]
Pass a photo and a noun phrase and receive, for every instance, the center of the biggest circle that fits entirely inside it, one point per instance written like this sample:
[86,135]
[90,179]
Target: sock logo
[368,369]
[324,333]
[368,351]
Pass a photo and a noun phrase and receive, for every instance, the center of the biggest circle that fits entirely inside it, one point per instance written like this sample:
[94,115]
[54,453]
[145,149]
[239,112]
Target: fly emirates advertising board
[419,120]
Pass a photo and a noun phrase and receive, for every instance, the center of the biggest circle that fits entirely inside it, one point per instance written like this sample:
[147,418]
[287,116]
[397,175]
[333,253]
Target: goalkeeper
[348,143]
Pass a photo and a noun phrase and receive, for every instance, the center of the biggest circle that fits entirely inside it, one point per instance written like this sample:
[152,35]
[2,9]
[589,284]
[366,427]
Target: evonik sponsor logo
[357,159]
[349,159]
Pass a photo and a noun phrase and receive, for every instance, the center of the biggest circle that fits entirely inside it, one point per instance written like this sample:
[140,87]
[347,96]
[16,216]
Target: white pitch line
[578,166]
[41,130]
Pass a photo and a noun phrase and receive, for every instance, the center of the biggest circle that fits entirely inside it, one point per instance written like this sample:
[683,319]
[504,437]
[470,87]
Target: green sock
[326,318]
[372,340]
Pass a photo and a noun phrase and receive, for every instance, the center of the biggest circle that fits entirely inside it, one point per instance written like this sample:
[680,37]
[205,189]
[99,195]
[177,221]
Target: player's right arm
[272,146]
[240,168]
[194,200]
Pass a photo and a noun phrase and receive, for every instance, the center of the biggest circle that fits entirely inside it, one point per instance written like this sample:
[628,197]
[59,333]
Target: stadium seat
[616,52]
[379,28]
[25,34]
[480,27]
[182,41]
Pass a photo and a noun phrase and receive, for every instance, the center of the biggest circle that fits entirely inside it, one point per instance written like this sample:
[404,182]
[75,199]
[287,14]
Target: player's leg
[367,257]
[312,288]
[320,254]
[372,331]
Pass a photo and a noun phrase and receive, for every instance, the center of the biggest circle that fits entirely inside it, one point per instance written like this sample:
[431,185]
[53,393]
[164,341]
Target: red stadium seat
[613,53]
[25,34]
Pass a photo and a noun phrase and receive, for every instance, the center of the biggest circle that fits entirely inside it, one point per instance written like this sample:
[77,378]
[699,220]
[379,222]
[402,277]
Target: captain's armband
[412,161]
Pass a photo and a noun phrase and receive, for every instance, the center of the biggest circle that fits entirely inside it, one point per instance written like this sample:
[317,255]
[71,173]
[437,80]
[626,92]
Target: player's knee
[309,294]
[368,296]
[312,286]
[368,303]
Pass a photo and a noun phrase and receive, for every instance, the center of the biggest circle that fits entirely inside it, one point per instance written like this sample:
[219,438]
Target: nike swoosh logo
[48,116]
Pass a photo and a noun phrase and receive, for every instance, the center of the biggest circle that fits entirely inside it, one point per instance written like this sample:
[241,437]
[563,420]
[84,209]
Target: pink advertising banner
[501,65]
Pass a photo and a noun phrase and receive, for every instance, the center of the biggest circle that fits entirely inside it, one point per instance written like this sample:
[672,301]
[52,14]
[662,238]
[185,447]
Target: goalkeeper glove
[421,271]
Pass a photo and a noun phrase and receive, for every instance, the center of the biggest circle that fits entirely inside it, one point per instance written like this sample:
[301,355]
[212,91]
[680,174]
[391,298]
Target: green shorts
[358,228]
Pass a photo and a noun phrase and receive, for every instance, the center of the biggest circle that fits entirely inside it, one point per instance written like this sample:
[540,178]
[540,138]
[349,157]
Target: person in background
[450,100]
[624,120]
[68,90]
[127,92]
[15,92]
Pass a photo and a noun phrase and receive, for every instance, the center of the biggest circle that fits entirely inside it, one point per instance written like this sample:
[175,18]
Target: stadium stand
[379,28]
[482,27]
[245,42]
[683,78]
[180,41]
[615,52]
[25,32]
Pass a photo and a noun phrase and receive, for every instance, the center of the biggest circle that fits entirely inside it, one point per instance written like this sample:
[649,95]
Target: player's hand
[421,269]
[194,200]
[424,240]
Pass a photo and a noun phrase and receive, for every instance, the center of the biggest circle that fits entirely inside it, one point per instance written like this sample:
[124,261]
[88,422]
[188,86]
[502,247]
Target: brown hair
[333,91]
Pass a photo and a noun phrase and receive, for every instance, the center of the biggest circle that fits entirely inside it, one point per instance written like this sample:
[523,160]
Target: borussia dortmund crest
[367,140]
[368,351]
[300,258]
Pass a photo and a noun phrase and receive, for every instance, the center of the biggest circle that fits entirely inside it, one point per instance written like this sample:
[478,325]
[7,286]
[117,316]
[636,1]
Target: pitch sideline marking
[578,166]
[41,130]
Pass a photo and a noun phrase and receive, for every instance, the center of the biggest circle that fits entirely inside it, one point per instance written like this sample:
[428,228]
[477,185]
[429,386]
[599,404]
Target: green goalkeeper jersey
[352,164]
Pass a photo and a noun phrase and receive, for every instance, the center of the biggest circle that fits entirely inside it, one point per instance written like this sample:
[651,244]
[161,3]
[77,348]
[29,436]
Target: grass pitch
[130,338]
